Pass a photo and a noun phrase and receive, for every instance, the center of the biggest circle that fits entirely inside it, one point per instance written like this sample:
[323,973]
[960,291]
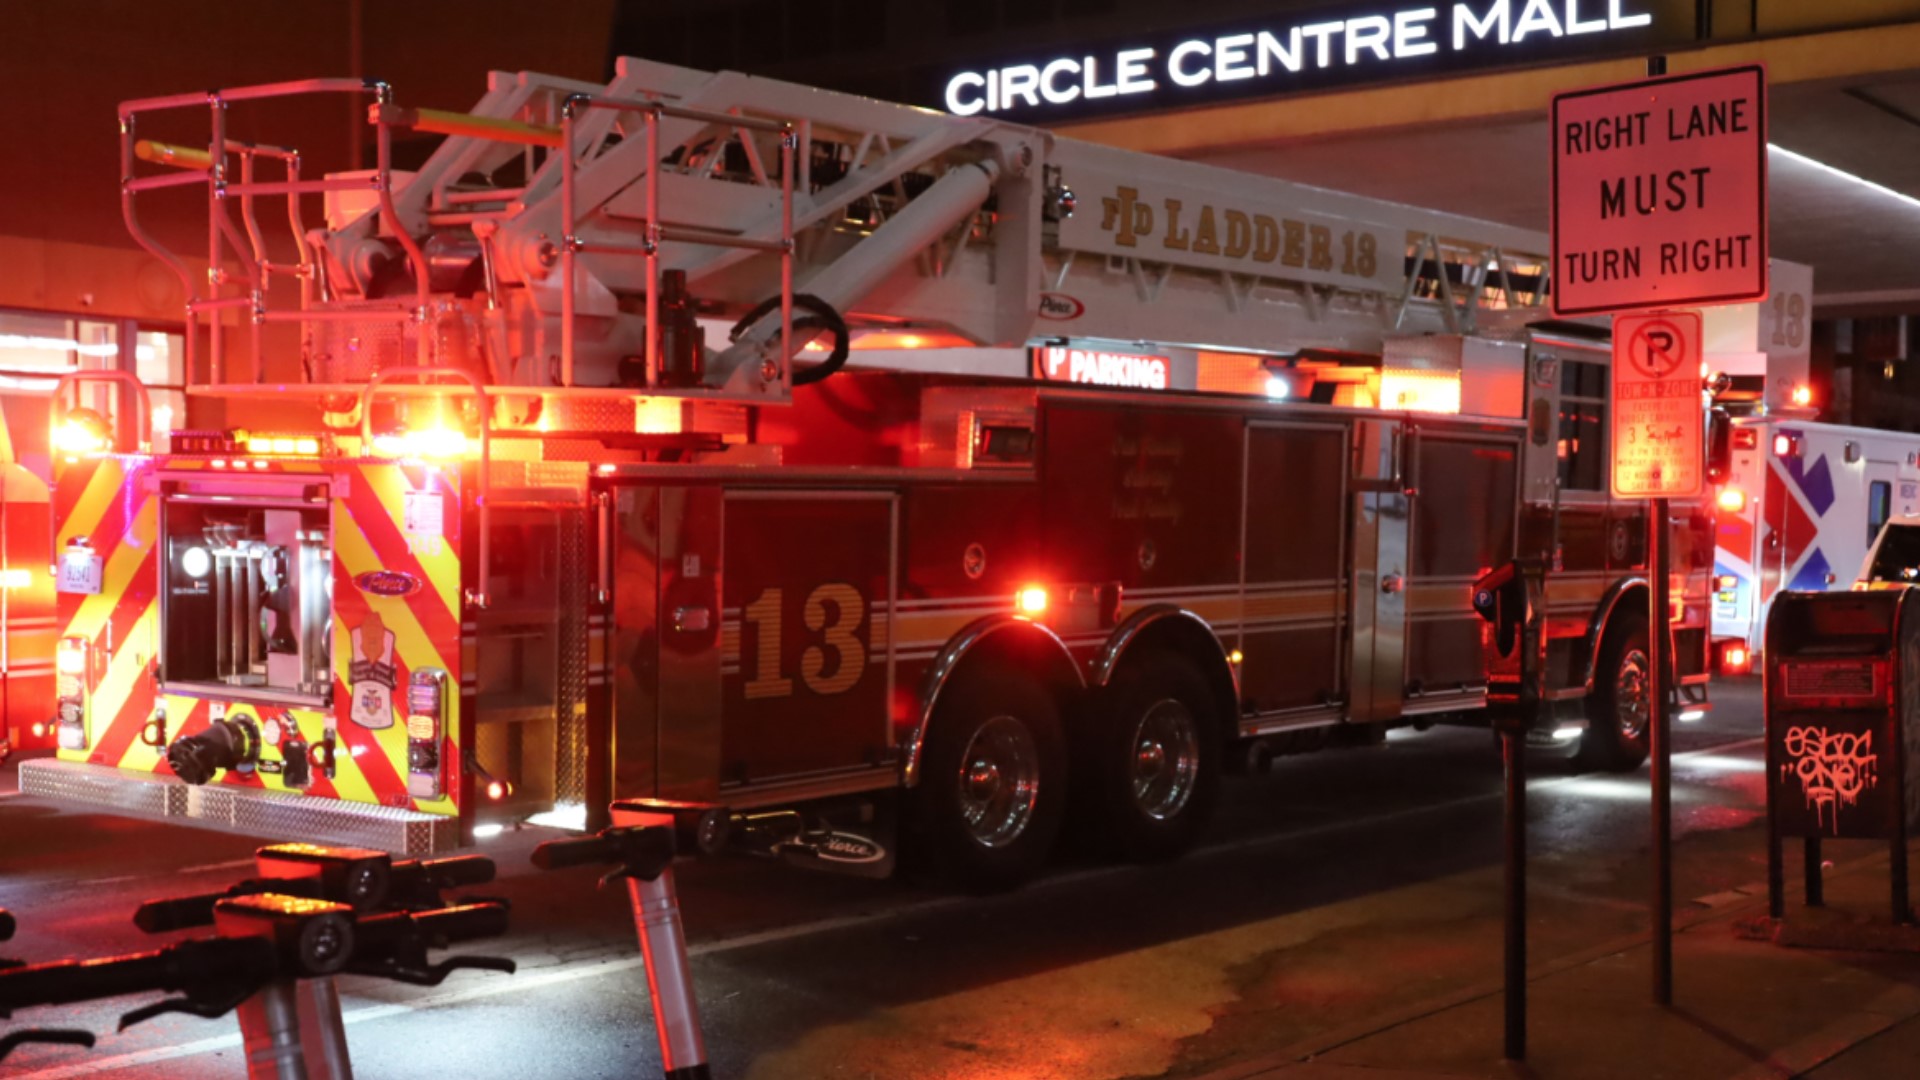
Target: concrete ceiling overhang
[1478,146]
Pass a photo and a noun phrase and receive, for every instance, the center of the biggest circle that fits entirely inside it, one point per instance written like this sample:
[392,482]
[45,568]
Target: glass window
[1879,508]
[36,349]
[1583,426]
[159,359]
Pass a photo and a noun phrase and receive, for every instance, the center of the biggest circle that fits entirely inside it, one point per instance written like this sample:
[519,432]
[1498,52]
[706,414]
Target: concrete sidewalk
[1744,1006]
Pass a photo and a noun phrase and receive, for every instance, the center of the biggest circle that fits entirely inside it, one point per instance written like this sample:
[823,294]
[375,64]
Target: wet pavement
[1344,887]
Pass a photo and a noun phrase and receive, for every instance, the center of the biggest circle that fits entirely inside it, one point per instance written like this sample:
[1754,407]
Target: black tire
[1152,754]
[994,745]
[1617,735]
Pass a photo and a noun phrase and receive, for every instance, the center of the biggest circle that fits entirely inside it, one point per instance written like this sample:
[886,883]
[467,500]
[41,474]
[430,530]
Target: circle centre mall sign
[1301,48]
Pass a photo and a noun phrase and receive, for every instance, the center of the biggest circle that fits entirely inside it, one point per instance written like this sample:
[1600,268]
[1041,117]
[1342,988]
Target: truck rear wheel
[1620,708]
[993,779]
[1154,757]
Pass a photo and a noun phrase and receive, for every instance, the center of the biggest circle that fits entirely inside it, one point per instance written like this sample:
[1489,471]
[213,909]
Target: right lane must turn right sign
[1660,193]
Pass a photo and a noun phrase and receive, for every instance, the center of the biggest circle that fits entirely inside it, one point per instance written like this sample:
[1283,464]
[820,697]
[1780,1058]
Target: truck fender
[1002,630]
[1169,625]
[1602,618]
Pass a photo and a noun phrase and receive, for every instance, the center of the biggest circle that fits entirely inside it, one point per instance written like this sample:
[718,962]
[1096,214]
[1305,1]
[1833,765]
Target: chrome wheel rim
[1631,704]
[999,779]
[1164,759]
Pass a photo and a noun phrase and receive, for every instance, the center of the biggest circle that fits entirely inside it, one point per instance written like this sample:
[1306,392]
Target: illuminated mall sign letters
[1263,60]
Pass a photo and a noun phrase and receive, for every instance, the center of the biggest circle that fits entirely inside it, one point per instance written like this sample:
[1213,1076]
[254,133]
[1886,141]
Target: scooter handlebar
[413,883]
[599,849]
[458,870]
[188,912]
[378,935]
[179,966]
[465,922]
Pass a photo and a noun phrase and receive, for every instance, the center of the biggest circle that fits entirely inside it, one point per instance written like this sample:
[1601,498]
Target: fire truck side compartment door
[807,668]
[689,635]
[1380,513]
[629,548]
[1293,581]
[1464,519]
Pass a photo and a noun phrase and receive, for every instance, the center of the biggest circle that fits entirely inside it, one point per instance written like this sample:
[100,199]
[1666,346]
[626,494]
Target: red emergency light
[1735,659]
[1032,600]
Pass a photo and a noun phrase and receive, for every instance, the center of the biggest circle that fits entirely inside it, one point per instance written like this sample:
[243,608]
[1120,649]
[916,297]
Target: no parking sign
[1657,411]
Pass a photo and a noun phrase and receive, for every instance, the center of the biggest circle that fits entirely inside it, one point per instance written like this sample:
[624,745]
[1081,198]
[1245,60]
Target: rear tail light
[1735,659]
[71,663]
[426,732]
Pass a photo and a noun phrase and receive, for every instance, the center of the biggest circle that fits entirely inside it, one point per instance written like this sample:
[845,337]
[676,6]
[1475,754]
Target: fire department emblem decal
[371,676]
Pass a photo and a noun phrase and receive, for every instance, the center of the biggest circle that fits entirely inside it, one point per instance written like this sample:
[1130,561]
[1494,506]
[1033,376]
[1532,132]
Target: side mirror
[1719,446]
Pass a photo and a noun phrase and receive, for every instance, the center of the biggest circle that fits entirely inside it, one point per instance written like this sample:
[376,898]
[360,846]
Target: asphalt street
[1339,885]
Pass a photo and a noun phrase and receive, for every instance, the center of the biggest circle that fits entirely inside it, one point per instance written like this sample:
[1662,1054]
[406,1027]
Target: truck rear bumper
[268,815]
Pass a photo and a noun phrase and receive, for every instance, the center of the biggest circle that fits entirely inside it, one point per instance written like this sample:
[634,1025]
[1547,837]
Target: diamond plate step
[269,815]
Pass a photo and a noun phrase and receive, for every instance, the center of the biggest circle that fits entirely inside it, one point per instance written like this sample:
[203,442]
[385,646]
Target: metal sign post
[1659,452]
[1660,747]
[1513,598]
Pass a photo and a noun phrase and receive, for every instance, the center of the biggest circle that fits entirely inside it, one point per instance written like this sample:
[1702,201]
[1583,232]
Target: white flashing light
[195,562]
[1278,388]
[1568,732]
[572,817]
[1688,716]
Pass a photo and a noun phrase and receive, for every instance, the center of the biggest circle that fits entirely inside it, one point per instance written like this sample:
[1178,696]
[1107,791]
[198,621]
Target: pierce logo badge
[387,583]
[1060,307]
[843,847]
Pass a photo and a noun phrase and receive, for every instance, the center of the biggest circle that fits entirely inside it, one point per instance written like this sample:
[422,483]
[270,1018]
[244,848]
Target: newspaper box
[1842,690]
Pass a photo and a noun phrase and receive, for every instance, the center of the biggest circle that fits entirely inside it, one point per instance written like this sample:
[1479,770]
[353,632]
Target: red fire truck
[839,462]
[26,592]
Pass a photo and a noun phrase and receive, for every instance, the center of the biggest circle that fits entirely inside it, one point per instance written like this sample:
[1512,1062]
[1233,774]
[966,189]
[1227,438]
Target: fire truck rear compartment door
[806,654]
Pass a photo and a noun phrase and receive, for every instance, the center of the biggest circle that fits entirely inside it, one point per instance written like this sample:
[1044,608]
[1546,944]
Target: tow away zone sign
[1660,193]
[1657,412]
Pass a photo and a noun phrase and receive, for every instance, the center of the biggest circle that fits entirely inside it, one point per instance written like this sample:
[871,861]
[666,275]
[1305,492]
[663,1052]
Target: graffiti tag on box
[1833,768]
